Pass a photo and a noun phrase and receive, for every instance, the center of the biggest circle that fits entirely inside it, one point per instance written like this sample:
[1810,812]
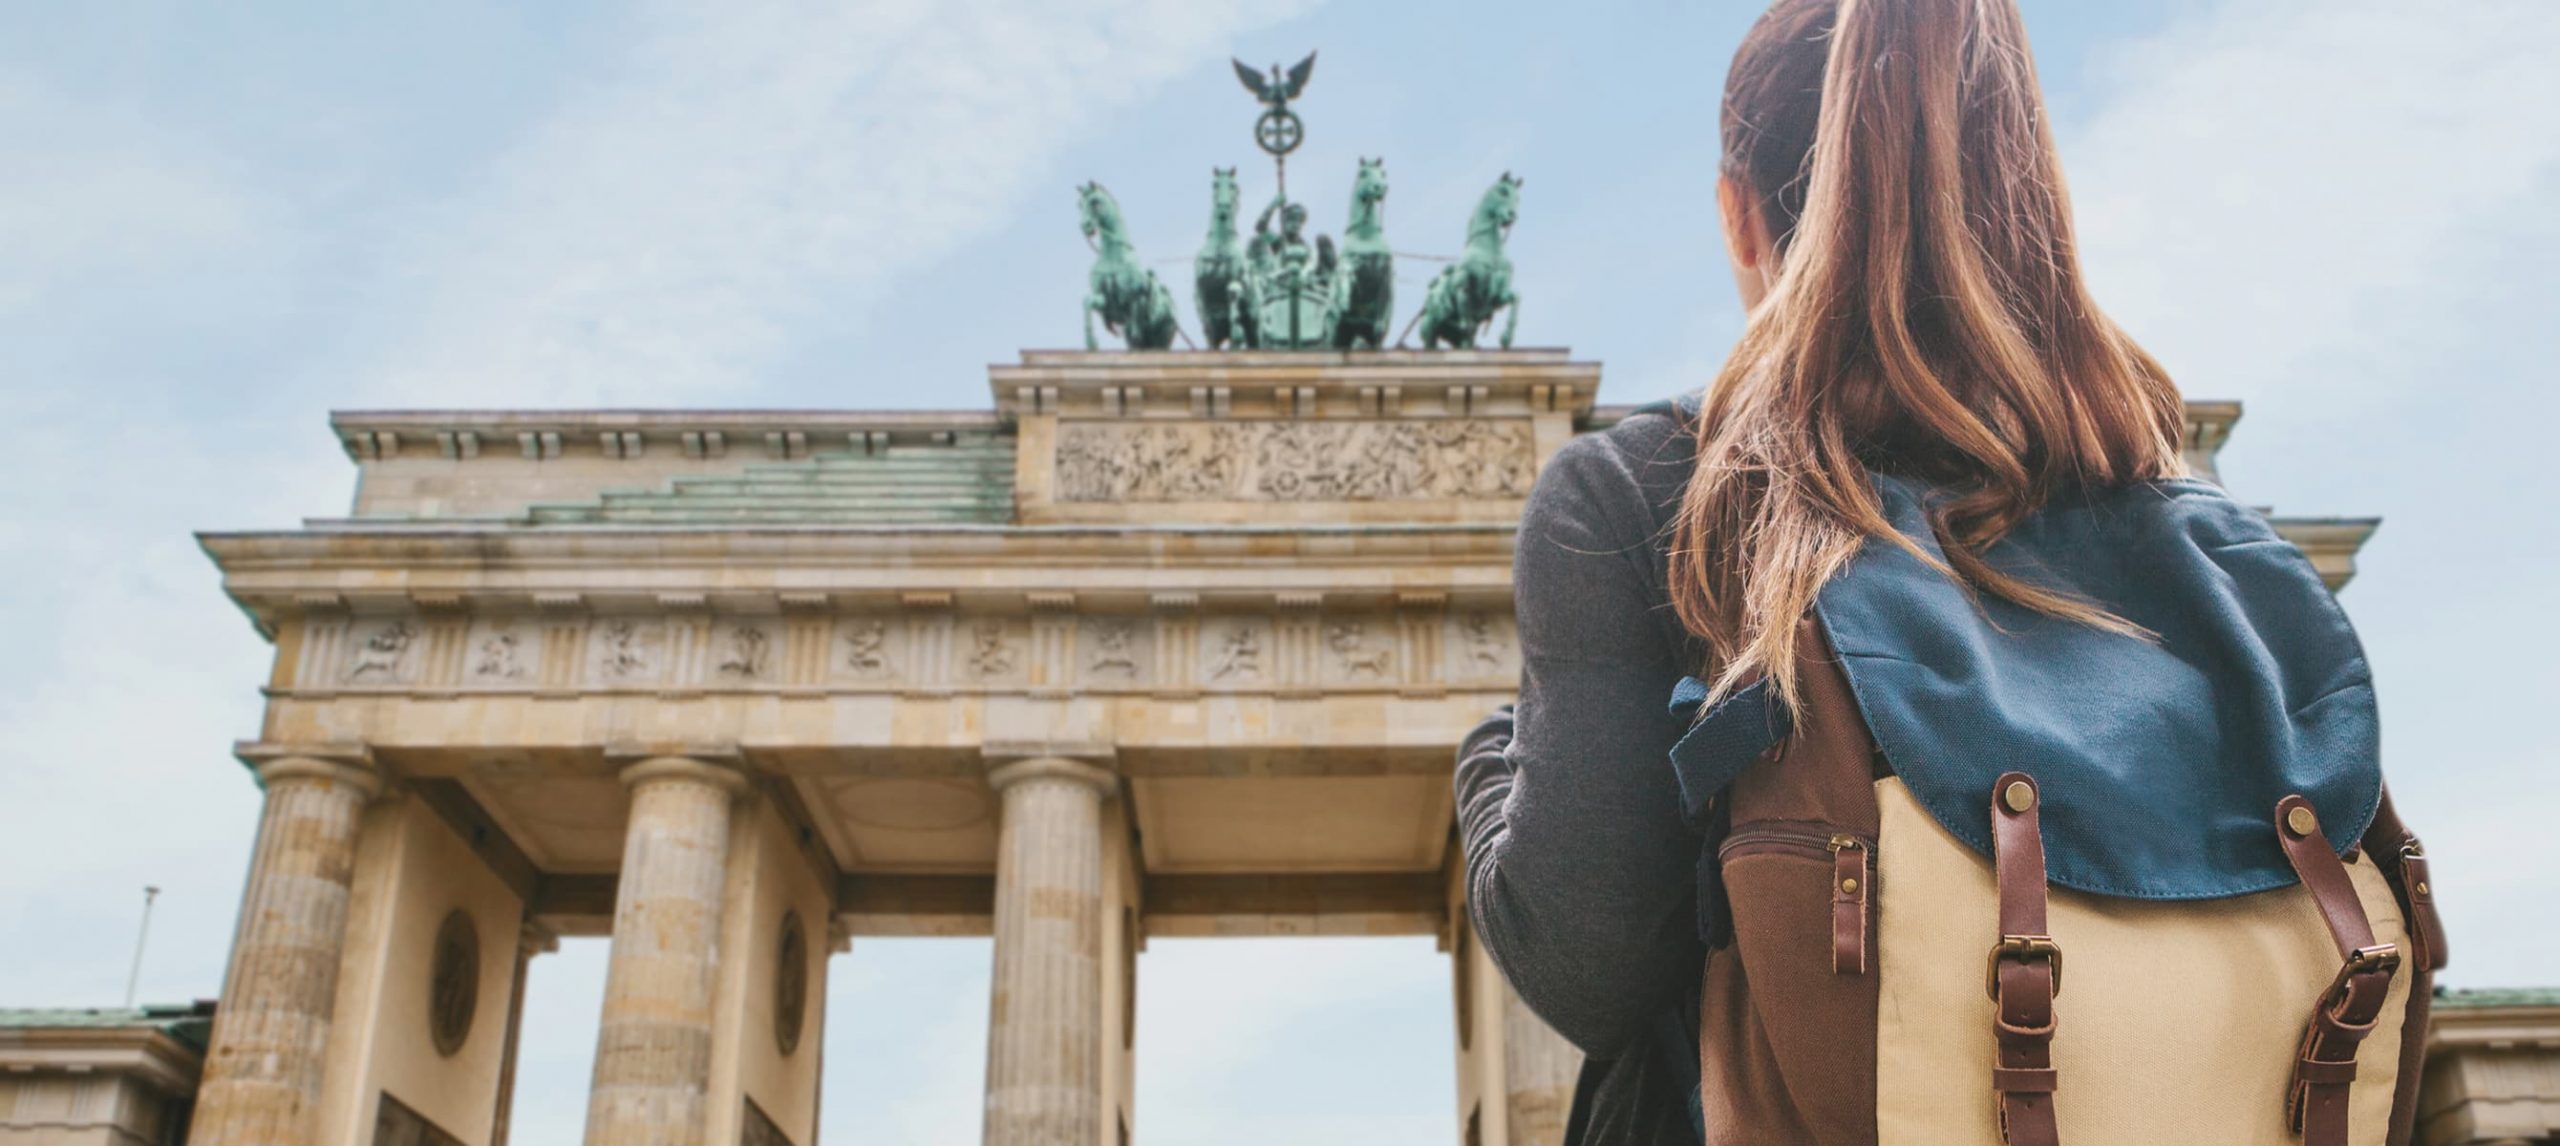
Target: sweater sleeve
[1580,868]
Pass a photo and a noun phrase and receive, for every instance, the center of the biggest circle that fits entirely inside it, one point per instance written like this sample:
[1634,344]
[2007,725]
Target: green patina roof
[189,1023]
[968,481]
[2488,997]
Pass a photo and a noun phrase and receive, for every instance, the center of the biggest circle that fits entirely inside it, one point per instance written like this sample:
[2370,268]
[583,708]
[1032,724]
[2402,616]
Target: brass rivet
[2300,821]
[2019,795]
[2422,887]
[1848,885]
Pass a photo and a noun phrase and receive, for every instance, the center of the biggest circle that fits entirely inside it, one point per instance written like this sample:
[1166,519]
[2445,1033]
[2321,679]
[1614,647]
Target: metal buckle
[2025,947]
[2381,957]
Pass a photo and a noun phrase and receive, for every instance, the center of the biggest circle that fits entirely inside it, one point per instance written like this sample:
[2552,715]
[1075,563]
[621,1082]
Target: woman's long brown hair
[1928,318]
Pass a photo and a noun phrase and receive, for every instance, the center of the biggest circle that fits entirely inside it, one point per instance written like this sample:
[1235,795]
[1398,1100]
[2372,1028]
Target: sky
[218,222]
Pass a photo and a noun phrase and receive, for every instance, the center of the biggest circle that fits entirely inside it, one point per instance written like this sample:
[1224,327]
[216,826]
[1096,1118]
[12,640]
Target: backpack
[1876,976]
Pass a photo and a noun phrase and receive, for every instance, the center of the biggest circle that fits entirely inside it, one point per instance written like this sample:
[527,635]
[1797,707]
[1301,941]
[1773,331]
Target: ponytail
[1928,318]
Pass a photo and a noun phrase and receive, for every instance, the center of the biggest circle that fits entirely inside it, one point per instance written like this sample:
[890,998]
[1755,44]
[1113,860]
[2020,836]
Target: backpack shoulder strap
[2324,1070]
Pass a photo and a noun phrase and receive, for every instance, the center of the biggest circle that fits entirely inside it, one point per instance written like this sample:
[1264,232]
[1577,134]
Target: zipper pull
[1851,873]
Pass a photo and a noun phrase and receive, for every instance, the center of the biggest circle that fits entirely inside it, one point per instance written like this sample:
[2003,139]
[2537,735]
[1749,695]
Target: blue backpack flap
[1719,745]
[2159,762]
[1705,761]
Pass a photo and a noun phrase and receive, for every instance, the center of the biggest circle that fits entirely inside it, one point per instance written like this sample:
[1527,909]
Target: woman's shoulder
[1636,466]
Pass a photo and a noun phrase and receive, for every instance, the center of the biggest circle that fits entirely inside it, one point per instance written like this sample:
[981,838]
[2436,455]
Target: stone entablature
[494,465]
[1345,437]
[1295,384]
[803,644]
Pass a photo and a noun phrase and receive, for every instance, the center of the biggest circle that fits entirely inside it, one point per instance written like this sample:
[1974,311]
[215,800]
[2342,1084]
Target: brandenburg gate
[1162,644]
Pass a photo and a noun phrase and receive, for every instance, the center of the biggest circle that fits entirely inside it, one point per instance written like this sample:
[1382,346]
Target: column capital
[535,939]
[1005,771]
[345,763]
[727,774]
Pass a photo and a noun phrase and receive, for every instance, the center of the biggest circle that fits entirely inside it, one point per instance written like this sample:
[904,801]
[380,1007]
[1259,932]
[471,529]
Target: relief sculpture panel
[1295,461]
[1221,652]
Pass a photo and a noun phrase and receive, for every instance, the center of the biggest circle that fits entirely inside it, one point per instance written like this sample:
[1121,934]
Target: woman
[1930,521]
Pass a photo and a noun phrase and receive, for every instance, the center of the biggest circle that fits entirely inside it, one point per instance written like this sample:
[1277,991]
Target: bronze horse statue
[1461,302]
[1131,301]
[1364,286]
[1230,312]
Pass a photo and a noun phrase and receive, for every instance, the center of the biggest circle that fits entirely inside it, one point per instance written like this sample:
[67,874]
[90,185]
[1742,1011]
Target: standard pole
[134,979]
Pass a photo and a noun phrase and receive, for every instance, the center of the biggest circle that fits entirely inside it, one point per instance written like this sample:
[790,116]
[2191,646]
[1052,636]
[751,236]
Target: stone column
[262,1075]
[1044,1024]
[653,1048]
[531,939]
[1538,1072]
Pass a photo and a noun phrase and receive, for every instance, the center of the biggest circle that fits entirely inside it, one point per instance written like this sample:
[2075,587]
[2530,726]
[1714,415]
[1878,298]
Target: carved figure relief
[1295,461]
[1239,655]
[1115,650]
[453,982]
[1482,647]
[867,647]
[384,654]
[1195,462]
[1350,642]
[745,651]
[627,649]
[498,656]
[991,654]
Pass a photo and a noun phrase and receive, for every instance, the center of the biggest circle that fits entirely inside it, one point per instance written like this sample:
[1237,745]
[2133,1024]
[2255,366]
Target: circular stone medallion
[790,982]
[453,982]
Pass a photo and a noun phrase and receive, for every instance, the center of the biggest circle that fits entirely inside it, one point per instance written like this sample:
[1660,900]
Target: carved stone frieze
[1295,460]
[1481,646]
[1301,646]
[1234,653]
[383,653]
[1357,654]
[499,653]
[992,653]
[746,652]
[865,653]
[626,651]
[1114,654]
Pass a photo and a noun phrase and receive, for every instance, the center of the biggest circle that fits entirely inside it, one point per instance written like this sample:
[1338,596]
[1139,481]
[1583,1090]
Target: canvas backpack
[1875,977]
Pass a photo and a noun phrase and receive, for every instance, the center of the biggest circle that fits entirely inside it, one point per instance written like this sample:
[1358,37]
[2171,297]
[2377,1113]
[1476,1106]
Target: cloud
[676,222]
[87,190]
[1366,1023]
[2275,184]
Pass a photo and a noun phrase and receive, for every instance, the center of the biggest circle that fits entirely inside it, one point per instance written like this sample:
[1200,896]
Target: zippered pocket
[1852,859]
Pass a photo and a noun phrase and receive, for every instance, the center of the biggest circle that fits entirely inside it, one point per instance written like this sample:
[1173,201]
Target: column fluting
[1044,1022]
[653,1048]
[263,1072]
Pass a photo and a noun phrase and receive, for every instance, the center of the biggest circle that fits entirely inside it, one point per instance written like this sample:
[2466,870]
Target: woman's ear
[1741,225]
[1746,243]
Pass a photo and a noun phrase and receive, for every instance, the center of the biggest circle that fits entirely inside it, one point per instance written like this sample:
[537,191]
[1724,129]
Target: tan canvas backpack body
[1940,918]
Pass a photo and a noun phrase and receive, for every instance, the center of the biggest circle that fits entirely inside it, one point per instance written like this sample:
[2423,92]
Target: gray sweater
[1580,869]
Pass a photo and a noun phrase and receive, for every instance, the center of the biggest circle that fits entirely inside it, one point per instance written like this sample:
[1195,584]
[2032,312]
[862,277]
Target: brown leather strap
[1850,875]
[2324,1069]
[2393,845]
[2026,968]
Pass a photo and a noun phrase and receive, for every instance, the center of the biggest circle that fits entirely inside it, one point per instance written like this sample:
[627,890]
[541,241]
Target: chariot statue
[1284,288]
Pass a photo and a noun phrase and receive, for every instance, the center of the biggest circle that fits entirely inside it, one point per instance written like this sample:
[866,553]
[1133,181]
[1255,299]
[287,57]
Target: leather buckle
[2026,947]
